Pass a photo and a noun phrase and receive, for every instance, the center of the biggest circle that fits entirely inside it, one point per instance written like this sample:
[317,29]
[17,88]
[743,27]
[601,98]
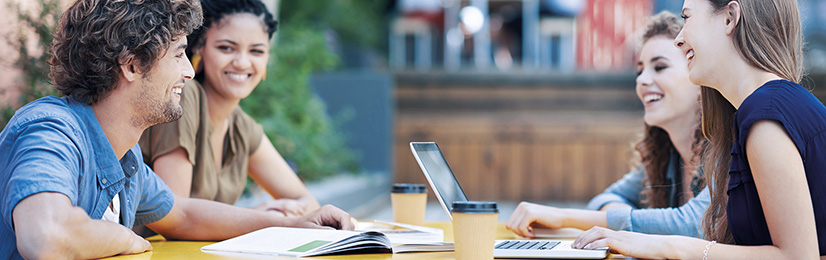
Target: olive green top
[192,132]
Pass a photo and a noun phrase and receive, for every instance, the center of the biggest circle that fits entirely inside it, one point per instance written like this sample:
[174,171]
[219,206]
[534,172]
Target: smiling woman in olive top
[210,151]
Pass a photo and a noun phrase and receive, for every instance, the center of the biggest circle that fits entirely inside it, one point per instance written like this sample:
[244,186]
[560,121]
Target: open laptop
[447,190]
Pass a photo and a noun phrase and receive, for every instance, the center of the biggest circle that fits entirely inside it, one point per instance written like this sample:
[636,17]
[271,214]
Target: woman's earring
[196,61]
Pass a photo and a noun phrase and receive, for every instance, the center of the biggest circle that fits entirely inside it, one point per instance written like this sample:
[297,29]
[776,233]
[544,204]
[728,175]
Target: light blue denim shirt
[678,220]
[57,145]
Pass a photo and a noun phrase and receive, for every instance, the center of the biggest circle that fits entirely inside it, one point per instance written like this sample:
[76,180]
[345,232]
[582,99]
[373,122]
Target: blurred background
[528,99]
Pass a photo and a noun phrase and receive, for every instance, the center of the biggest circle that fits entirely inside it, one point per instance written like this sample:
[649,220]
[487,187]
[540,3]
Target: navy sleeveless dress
[804,118]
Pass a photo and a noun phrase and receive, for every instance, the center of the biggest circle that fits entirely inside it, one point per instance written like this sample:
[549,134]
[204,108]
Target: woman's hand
[528,215]
[632,244]
[288,207]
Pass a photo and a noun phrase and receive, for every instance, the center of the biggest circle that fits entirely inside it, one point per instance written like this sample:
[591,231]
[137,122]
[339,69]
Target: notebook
[447,190]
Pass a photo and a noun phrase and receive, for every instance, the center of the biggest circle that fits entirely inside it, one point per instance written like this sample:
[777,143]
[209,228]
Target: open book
[407,238]
[299,242]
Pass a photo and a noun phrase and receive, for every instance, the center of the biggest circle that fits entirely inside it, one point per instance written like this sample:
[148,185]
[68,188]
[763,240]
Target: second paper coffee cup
[409,201]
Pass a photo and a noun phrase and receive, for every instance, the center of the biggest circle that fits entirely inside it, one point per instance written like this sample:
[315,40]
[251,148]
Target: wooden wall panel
[511,136]
[552,158]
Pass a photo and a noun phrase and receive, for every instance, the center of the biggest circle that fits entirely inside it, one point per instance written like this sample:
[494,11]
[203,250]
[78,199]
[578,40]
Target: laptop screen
[438,173]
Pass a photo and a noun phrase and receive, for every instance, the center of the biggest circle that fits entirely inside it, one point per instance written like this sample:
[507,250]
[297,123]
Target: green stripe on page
[309,246]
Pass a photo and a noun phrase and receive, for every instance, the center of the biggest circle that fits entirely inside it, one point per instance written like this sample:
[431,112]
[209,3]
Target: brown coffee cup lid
[409,188]
[475,207]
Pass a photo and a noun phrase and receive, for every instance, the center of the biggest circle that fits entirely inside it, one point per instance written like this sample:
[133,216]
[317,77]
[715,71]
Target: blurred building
[814,31]
[542,35]
[565,35]
[530,100]
[533,99]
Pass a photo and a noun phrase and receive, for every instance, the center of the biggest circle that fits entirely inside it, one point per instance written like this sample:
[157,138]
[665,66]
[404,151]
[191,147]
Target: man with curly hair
[72,180]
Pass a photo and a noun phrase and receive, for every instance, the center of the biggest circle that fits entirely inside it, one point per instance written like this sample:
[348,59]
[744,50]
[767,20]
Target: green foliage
[294,119]
[357,22]
[34,25]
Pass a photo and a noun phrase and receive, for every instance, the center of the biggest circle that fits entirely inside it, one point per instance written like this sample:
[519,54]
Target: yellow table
[192,249]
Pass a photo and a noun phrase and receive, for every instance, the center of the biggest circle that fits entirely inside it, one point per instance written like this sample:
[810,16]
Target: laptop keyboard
[527,245]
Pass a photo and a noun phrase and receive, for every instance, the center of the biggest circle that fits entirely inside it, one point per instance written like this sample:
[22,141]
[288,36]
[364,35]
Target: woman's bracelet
[705,252]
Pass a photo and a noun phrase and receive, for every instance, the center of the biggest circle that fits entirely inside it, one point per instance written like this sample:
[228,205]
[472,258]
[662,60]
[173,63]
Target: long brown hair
[655,148]
[769,37]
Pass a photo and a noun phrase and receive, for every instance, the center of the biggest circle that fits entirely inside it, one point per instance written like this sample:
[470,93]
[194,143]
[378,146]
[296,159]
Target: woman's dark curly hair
[215,10]
[96,36]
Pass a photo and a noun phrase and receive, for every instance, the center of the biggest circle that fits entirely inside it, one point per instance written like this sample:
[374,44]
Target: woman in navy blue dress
[767,139]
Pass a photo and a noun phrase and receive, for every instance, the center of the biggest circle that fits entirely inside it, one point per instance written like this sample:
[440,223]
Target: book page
[430,247]
[408,238]
[281,241]
[399,233]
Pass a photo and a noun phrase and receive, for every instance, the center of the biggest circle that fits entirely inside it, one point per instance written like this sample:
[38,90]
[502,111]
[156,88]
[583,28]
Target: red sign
[607,33]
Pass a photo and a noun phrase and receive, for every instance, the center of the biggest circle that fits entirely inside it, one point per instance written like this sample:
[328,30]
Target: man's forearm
[197,219]
[47,226]
[103,238]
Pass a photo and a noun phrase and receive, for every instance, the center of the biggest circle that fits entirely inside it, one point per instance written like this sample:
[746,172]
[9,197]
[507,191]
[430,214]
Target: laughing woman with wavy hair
[665,193]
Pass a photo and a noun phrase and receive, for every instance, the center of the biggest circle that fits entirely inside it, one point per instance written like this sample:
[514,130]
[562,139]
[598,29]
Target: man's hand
[327,216]
[137,246]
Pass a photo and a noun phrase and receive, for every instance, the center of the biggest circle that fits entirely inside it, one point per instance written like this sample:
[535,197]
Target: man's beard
[171,112]
[168,112]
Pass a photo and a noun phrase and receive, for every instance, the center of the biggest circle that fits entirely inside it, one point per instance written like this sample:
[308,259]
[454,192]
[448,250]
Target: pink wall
[8,74]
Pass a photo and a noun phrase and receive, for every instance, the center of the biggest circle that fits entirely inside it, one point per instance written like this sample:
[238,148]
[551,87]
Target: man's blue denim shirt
[57,145]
